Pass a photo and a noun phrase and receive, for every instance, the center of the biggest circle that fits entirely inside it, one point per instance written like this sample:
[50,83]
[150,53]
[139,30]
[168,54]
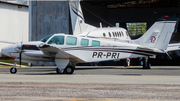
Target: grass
[5,66]
[12,62]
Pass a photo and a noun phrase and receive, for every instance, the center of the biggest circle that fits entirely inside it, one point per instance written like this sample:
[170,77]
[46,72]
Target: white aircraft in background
[91,44]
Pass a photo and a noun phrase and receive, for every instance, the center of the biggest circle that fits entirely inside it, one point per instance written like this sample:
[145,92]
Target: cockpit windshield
[46,38]
[57,40]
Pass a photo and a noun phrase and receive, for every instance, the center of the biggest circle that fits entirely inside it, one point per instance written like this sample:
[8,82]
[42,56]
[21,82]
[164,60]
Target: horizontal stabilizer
[173,47]
[159,34]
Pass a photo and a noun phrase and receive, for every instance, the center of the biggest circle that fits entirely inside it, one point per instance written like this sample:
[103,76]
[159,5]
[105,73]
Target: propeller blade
[20,59]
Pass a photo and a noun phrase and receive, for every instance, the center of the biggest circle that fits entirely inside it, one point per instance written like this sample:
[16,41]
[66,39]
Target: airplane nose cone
[6,50]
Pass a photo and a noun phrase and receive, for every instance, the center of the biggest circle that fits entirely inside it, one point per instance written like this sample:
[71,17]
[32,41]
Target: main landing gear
[146,63]
[64,66]
[67,70]
[13,70]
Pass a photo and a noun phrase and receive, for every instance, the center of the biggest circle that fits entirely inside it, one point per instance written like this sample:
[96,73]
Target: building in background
[14,21]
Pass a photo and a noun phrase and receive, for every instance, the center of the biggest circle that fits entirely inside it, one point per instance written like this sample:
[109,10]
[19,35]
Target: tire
[13,71]
[69,70]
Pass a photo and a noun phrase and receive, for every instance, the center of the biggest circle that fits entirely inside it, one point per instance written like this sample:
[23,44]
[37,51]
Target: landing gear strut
[59,71]
[13,70]
[64,66]
[146,63]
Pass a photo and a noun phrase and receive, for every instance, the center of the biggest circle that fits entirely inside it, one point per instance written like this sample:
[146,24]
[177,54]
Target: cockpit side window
[46,38]
[71,40]
[57,40]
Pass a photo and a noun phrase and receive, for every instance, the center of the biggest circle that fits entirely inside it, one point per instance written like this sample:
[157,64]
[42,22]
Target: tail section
[159,34]
[77,18]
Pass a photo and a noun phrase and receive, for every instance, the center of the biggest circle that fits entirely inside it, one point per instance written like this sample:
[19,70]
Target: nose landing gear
[13,70]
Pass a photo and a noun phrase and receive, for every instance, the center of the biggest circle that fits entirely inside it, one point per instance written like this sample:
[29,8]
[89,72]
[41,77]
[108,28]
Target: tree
[135,29]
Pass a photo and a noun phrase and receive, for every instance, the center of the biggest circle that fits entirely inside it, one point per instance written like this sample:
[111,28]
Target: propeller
[19,49]
[20,54]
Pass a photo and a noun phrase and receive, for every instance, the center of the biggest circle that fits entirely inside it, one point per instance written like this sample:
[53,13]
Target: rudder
[77,18]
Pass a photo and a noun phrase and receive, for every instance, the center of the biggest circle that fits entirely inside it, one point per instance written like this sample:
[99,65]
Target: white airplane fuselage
[108,37]
[106,49]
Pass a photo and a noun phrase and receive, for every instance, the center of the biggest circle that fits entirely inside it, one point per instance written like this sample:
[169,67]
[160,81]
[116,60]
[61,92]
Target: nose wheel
[13,70]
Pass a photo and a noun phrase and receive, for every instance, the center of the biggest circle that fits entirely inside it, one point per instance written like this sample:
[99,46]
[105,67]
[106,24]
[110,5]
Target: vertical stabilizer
[159,34]
[77,18]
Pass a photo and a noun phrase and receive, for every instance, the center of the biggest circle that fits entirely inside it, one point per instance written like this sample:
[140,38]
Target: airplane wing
[92,54]
[54,51]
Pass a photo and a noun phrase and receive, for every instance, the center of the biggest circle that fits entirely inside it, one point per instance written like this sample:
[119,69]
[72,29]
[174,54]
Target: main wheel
[58,71]
[69,70]
[13,70]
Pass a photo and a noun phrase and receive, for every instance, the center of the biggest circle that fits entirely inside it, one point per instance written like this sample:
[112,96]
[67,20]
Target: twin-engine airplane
[89,45]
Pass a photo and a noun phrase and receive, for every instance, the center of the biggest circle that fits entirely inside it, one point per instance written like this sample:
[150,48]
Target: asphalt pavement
[91,83]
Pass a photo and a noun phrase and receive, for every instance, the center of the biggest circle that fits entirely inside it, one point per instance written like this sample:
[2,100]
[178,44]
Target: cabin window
[84,42]
[113,34]
[57,40]
[95,43]
[118,34]
[122,33]
[104,34]
[71,40]
[109,34]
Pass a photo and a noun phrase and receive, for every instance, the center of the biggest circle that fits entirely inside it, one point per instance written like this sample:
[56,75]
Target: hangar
[13,21]
[53,17]
[108,12]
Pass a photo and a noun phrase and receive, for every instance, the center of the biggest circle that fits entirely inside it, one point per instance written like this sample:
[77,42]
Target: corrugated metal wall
[48,18]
